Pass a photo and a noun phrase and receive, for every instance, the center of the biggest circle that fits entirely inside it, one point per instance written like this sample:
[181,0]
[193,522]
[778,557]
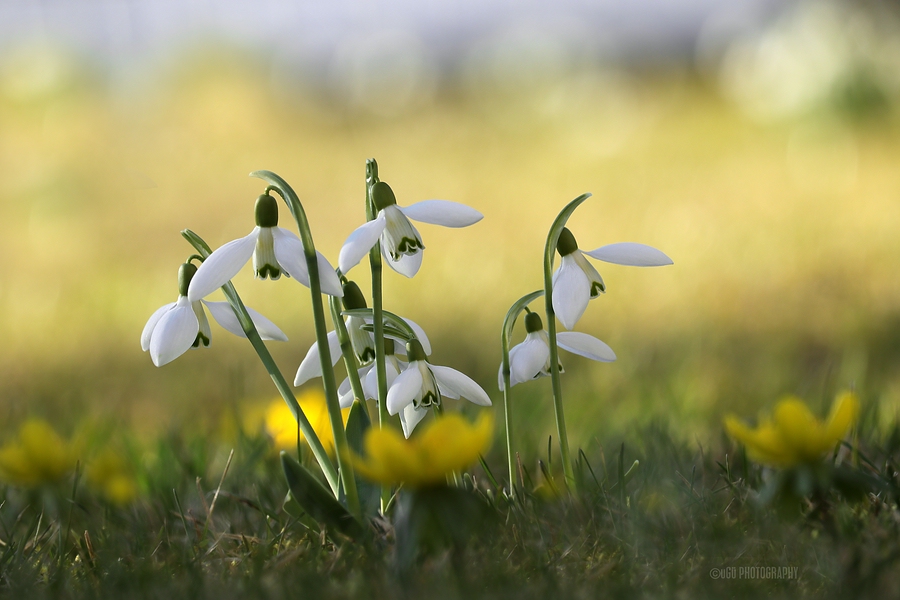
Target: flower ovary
[566,244]
[414,350]
[353,296]
[382,195]
[266,211]
[185,274]
[533,322]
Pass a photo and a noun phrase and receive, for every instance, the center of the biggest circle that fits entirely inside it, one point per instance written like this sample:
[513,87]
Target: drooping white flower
[274,251]
[401,243]
[576,281]
[530,359]
[178,326]
[421,386]
[361,340]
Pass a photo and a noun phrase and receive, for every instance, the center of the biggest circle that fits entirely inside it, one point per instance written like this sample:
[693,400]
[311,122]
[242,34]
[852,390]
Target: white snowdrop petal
[224,316]
[512,357]
[410,417]
[442,212]
[447,392]
[359,243]
[221,266]
[345,394]
[329,282]
[530,359]
[370,383]
[420,333]
[461,384]
[631,254]
[404,389]
[311,365]
[151,323]
[174,334]
[571,292]
[585,345]
[408,264]
[266,328]
[289,254]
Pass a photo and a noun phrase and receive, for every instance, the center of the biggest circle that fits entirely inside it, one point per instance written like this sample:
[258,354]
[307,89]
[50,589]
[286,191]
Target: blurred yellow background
[781,214]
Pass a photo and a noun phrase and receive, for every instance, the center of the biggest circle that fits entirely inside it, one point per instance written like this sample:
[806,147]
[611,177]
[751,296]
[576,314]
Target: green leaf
[316,500]
[358,423]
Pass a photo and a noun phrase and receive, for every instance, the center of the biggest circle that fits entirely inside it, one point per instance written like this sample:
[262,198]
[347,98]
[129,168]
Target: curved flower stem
[346,349]
[377,307]
[345,468]
[508,324]
[269,363]
[549,252]
[398,326]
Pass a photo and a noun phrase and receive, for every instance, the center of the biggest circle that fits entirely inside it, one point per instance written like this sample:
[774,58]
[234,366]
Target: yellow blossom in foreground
[110,476]
[282,426]
[37,456]
[449,443]
[793,435]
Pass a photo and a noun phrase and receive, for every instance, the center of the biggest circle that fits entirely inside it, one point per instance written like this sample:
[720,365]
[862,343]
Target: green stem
[345,468]
[397,326]
[377,307]
[346,349]
[505,333]
[549,252]
[269,363]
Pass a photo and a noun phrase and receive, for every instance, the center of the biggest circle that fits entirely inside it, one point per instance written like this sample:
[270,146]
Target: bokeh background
[756,142]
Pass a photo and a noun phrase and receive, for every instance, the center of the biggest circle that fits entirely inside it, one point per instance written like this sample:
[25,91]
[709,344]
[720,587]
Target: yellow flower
[109,475]
[448,444]
[282,426]
[793,435]
[36,457]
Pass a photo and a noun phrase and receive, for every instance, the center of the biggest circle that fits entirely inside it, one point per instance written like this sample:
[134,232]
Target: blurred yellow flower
[37,456]
[282,426]
[109,475]
[794,435]
[448,444]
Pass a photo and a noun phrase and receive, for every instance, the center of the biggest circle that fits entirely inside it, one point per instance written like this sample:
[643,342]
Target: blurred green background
[764,162]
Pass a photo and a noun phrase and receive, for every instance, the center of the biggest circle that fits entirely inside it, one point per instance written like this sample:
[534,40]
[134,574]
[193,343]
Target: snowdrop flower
[421,386]
[274,251]
[576,281]
[362,341]
[401,243]
[369,378]
[531,358]
[181,325]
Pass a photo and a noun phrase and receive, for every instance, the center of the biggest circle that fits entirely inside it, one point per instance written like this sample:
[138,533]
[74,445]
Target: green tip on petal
[353,296]
[533,322]
[414,350]
[185,274]
[266,211]
[383,195]
[388,346]
[566,244]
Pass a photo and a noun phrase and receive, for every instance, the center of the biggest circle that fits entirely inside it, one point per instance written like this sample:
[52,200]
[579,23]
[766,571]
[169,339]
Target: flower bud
[266,211]
[353,296]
